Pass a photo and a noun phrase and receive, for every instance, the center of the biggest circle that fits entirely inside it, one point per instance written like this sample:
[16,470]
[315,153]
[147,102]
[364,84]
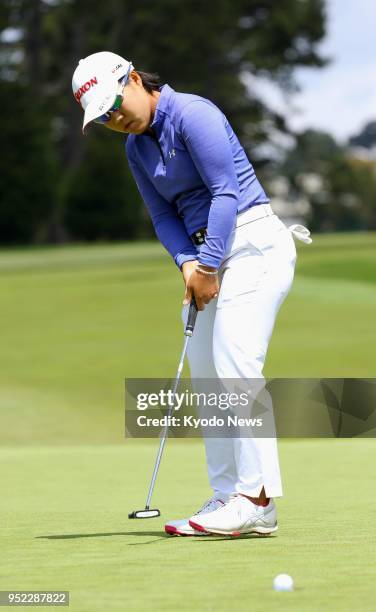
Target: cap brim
[100,105]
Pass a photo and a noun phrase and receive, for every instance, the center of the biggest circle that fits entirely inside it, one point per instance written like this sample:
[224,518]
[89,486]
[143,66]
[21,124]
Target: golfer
[237,259]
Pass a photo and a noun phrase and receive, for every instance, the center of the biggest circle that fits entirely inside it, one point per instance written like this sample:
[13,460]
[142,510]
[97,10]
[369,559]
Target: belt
[255,212]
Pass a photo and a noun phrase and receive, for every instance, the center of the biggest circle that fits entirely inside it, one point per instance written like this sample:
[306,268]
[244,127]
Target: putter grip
[191,318]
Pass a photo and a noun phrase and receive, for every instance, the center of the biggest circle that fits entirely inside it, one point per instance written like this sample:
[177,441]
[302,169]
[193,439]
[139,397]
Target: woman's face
[137,110]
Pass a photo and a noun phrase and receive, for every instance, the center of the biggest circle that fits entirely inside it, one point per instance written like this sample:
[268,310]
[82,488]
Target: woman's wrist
[206,270]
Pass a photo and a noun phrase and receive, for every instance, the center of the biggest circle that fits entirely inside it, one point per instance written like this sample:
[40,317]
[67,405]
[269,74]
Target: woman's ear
[134,76]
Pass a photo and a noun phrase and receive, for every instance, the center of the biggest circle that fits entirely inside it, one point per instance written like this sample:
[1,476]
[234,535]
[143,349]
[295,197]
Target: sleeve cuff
[207,260]
[182,258]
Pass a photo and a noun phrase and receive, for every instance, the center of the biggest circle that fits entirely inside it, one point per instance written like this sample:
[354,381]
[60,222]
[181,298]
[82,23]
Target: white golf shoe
[239,515]
[183,528]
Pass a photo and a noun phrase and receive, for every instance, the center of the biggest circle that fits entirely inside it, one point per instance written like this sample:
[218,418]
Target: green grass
[75,322]
[65,526]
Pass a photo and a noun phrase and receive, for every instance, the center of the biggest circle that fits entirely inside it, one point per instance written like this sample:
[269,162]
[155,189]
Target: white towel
[301,233]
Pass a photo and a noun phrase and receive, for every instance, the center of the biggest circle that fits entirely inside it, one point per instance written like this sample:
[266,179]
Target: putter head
[143,514]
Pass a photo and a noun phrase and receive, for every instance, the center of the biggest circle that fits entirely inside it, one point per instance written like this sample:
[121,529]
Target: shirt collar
[163,106]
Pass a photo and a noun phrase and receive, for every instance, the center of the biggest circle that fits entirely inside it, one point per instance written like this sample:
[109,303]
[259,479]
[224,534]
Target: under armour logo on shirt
[171,153]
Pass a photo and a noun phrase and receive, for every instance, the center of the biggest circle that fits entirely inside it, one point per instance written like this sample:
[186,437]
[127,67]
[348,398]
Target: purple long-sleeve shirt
[193,174]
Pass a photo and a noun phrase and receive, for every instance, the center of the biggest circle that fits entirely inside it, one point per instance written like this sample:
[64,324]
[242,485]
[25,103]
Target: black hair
[150,81]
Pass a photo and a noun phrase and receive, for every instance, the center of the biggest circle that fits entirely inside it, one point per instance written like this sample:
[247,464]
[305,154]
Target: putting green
[75,322]
[65,526]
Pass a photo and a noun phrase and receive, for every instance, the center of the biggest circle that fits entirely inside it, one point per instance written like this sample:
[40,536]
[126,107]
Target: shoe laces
[210,504]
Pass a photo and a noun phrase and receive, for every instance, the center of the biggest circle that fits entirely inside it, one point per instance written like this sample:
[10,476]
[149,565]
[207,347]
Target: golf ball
[283,582]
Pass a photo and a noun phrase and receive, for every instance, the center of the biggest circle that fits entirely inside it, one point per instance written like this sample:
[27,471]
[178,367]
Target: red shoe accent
[174,531]
[198,527]
[234,534]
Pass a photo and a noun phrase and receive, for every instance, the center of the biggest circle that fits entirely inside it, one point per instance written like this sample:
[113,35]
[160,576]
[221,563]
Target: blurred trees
[366,138]
[344,197]
[103,201]
[60,185]
[27,168]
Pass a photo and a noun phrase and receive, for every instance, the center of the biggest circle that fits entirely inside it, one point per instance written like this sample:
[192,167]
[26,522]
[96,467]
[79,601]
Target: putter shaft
[165,429]
[188,334]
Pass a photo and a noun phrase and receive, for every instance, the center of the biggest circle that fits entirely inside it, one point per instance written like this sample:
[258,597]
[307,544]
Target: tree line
[58,186]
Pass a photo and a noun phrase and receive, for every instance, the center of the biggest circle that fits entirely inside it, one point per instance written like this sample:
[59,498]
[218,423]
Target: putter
[188,332]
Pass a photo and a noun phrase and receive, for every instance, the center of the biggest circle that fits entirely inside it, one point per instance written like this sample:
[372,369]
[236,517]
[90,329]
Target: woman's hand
[204,287]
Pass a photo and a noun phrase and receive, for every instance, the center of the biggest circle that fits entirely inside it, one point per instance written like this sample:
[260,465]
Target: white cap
[95,82]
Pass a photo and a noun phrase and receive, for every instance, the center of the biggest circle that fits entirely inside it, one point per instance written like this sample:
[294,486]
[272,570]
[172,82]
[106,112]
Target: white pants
[231,339]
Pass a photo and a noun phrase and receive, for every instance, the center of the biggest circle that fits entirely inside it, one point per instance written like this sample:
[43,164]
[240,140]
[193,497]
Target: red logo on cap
[84,88]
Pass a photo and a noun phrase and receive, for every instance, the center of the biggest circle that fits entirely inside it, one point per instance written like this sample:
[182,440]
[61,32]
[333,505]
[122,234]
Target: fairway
[78,320]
